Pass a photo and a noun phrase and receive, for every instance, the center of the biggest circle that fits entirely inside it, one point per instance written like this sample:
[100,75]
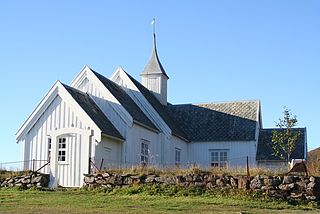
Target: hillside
[314,161]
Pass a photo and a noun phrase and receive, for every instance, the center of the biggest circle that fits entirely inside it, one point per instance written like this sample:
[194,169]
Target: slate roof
[94,112]
[232,121]
[126,101]
[154,65]
[265,151]
[162,110]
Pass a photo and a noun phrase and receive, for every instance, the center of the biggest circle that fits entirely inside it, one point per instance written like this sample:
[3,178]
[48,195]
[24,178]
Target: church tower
[154,76]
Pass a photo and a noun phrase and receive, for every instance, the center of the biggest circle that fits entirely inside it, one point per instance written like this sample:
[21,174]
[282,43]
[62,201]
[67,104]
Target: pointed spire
[154,65]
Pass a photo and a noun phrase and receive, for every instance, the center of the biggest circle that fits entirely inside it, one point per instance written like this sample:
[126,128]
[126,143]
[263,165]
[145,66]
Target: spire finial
[153,23]
[154,32]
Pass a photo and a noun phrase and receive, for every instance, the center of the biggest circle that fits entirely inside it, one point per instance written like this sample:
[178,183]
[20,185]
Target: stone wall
[280,187]
[26,181]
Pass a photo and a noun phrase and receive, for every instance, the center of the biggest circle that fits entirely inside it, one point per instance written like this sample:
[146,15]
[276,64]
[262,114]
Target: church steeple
[154,77]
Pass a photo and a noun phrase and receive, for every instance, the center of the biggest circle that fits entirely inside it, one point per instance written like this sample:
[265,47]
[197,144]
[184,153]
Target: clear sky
[212,51]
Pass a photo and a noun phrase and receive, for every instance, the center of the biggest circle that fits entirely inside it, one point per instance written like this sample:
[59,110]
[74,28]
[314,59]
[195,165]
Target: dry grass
[193,169]
[313,169]
[9,174]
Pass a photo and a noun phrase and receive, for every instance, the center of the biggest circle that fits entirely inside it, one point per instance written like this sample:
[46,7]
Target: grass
[138,200]
[176,170]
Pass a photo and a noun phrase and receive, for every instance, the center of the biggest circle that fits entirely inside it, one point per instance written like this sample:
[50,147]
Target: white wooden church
[119,122]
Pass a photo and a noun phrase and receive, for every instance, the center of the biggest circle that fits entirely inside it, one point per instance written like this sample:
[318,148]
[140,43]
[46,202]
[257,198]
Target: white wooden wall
[111,159]
[58,115]
[183,146]
[133,145]
[199,152]
[152,83]
[158,85]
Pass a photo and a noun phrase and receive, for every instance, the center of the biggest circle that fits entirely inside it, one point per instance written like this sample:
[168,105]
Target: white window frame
[219,157]
[62,149]
[144,157]
[177,155]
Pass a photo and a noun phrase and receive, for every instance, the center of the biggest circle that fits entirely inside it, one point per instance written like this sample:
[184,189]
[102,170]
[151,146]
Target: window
[144,151]
[219,158]
[178,155]
[62,150]
[49,149]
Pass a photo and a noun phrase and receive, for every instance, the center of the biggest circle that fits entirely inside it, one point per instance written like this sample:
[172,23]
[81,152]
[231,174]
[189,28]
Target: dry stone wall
[280,187]
[26,181]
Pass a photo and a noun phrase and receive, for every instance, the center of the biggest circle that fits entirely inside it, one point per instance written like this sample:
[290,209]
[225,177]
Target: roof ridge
[72,88]
[218,102]
[225,102]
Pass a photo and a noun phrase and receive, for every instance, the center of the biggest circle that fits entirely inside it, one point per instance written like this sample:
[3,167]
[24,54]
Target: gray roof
[265,151]
[232,121]
[94,112]
[154,66]
[126,101]
[162,110]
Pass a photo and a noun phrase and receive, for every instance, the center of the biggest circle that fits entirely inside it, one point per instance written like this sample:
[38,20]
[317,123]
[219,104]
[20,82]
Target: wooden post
[248,172]
[101,163]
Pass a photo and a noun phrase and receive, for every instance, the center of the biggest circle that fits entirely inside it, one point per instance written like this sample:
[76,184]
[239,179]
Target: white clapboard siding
[58,115]
[199,152]
[110,151]
[133,145]
[183,146]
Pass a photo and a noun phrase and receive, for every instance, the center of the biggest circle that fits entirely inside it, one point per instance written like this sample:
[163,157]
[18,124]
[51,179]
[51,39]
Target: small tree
[285,139]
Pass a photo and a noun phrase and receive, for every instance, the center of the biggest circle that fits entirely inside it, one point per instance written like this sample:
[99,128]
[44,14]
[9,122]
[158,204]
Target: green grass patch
[142,199]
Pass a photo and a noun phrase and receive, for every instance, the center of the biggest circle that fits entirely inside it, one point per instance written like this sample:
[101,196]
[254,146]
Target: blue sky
[211,50]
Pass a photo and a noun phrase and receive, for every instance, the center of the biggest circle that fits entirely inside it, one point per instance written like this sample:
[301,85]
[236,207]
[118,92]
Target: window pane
[49,143]
[216,156]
